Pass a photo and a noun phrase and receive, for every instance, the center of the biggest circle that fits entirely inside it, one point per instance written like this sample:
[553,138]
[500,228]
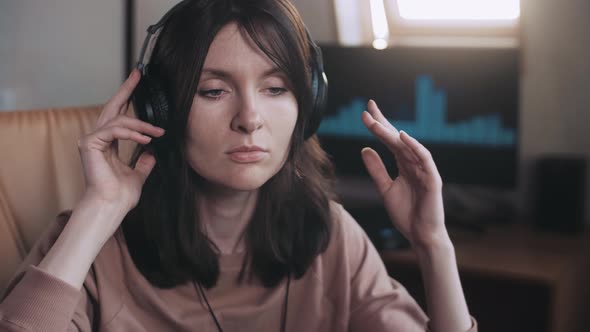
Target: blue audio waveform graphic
[429,124]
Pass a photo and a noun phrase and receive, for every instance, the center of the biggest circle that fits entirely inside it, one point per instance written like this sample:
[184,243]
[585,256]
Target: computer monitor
[461,103]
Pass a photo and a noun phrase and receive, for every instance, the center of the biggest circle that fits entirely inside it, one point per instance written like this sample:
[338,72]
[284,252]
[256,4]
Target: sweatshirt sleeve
[377,301]
[37,301]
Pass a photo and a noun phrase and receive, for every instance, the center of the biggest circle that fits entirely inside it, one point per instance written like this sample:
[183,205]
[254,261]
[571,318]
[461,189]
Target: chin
[242,182]
[245,184]
[242,179]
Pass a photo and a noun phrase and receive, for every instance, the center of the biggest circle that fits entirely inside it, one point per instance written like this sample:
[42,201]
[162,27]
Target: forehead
[233,48]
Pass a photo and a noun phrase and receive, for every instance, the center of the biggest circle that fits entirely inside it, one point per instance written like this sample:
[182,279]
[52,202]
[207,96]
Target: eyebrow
[225,74]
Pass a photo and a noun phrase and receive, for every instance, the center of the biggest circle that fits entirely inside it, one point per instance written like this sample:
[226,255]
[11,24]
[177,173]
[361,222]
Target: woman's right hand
[108,179]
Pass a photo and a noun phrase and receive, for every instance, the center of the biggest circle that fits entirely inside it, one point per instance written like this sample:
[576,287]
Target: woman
[225,218]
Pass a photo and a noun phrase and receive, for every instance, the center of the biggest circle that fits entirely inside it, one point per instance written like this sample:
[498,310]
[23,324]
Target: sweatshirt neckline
[231,261]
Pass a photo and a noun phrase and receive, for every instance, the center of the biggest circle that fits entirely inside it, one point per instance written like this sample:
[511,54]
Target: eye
[275,91]
[213,93]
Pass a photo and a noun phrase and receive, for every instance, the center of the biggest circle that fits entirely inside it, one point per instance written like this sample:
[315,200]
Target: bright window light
[379,23]
[380,44]
[459,9]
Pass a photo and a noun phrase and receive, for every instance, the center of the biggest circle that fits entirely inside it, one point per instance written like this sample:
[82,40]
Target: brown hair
[291,224]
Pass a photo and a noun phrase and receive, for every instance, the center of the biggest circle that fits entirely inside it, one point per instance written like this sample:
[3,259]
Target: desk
[514,278]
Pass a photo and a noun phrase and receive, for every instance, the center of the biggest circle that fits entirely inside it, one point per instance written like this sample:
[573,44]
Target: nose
[248,118]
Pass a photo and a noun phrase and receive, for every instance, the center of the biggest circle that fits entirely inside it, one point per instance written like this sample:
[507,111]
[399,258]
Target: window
[386,23]
[458,10]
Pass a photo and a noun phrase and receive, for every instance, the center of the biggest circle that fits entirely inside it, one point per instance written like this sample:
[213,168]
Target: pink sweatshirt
[346,289]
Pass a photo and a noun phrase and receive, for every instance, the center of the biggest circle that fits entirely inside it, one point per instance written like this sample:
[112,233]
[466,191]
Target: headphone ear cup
[319,86]
[159,102]
[140,98]
[150,101]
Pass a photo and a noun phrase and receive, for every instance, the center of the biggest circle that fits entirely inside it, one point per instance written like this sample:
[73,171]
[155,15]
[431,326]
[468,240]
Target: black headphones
[151,103]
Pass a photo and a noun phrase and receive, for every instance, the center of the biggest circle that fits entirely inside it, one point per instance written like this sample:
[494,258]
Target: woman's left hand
[413,200]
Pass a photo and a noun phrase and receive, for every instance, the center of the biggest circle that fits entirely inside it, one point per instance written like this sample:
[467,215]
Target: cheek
[284,116]
[287,123]
[283,133]
[200,137]
[204,124]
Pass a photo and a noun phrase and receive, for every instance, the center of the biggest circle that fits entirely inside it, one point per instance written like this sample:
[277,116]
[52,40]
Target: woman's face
[242,116]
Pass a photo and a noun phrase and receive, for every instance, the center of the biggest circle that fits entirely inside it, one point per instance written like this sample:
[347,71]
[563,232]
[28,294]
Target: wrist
[428,237]
[97,217]
[112,201]
[90,200]
[435,246]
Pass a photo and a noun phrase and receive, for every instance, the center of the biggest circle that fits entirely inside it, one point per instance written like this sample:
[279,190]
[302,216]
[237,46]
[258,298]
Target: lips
[247,148]
[247,153]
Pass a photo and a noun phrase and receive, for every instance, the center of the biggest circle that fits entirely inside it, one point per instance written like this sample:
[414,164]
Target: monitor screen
[460,103]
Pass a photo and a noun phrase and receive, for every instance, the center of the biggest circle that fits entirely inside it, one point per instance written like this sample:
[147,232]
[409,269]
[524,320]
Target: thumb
[144,165]
[376,169]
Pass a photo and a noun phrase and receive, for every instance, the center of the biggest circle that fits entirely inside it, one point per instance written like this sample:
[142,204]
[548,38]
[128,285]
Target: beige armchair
[40,175]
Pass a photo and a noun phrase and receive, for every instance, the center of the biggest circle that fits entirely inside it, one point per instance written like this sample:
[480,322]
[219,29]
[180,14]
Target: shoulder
[351,260]
[350,252]
[346,232]
[349,244]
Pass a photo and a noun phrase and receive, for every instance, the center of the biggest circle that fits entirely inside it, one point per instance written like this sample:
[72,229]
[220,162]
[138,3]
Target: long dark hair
[291,224]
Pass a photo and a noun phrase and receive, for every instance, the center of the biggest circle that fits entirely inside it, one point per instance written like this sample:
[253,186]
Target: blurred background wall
[59,52]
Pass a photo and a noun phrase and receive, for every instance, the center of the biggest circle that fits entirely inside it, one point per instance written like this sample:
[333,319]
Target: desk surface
[513,251]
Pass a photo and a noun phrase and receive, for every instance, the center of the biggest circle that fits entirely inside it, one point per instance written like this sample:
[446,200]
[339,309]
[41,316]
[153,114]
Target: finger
[424,156]
[384,134]
[376,113]
[409,153]
[121,98]
[144,165]
[102,139]
[374,110]
[125,108]
[113,107]
[390,137]
[136,124]
[376,170]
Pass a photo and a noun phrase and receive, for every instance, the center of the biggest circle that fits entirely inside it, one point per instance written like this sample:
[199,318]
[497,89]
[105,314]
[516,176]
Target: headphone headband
[153,31]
